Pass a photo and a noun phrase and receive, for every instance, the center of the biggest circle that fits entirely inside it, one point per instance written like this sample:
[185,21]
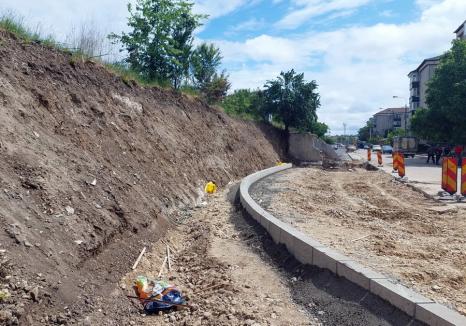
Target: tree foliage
[159,44]
[445,118]
[292,101]
[205,61]
[244,103]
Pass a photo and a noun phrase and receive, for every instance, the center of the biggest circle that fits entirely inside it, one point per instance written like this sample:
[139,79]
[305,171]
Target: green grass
[15,24]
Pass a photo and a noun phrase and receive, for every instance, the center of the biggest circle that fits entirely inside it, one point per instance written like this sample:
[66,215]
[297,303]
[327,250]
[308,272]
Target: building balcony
[415,99]
[415,84]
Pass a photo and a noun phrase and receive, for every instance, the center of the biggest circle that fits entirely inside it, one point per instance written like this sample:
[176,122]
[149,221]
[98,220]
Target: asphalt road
[428,177]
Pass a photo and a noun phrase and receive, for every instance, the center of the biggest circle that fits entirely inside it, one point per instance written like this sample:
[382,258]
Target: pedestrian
[430,154]
[438,154]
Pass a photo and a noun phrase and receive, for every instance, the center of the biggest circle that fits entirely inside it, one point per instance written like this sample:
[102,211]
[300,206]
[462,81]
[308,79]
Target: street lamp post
[406,112]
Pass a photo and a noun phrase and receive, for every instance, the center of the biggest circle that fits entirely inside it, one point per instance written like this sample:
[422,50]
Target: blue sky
[358,51]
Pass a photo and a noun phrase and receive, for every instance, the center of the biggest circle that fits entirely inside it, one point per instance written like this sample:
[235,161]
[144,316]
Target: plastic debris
[210,187]
[157,296]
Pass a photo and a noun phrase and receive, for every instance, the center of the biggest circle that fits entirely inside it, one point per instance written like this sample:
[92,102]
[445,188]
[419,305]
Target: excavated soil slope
[93,168]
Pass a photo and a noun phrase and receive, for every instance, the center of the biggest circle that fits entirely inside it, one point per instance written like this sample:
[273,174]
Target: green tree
[217,88]
[292,101]
[244,103]
[319,129]
[395,133]
[364,133]
[205,60]
[159,44]
[445,118]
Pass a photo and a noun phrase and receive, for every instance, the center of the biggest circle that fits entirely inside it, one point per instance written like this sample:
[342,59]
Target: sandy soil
[216,247]
[379,222]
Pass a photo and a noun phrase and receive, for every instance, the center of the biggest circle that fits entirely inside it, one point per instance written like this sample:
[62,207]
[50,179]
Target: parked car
[387,149]
[350,148]
[376,148]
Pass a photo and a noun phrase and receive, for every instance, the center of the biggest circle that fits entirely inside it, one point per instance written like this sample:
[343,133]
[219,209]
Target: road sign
[450,175]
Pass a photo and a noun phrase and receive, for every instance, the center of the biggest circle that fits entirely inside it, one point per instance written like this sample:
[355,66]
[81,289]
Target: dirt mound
[93,168]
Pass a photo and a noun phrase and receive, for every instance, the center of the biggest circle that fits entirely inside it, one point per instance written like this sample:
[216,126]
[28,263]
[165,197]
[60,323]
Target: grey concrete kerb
[309,251]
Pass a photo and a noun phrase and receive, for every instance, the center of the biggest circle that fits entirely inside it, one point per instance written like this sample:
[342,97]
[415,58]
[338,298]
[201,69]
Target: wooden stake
[366,236]
[168,259]
[139,258]
[163,265]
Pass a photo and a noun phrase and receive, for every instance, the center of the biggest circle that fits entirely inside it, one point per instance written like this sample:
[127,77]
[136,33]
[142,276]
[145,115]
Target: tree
[217,88]
[205,60]
[159,45]
[244,103]
[292,101]
[319,128]
[395,133]
[364,133]
[445,118]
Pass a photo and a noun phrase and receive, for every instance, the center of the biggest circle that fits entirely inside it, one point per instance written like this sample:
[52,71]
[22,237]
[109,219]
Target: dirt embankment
[93,168]
[380,223]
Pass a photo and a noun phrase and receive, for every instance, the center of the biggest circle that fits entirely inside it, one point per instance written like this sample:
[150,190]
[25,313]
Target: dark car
[387,149]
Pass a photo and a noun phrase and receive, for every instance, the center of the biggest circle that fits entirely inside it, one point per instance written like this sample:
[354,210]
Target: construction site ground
[233,274]
[379,222]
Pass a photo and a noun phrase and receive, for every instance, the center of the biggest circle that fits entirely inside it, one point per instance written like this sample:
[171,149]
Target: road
[427,177]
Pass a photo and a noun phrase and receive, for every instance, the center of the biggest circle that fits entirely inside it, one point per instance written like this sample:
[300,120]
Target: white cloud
[303,10]
[218,8]
[361,67]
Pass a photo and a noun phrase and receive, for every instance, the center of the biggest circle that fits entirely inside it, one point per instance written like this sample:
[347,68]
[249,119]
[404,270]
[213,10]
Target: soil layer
[379,222]
[93,168]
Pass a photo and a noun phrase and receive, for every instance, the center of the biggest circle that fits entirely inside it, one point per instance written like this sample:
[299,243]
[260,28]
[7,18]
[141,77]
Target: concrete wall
[309,251]
[307,147]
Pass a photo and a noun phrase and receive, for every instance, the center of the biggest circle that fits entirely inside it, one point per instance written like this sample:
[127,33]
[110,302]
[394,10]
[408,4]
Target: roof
[391,111]
[460,27]
[437,58]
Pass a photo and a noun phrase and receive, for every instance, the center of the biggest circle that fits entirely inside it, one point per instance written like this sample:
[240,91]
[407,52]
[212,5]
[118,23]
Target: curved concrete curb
[309,251]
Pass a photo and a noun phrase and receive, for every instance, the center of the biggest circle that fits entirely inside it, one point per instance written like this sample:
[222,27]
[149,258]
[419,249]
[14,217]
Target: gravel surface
[263,284]
[379,222]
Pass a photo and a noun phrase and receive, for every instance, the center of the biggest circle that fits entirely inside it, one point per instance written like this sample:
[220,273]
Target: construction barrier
[401,165]
[379,158]
[450,175]
[396,160]
[444,173]
[369,154]
[463,178]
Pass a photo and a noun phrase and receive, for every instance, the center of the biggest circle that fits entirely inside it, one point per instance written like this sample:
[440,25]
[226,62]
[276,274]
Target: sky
[358,51]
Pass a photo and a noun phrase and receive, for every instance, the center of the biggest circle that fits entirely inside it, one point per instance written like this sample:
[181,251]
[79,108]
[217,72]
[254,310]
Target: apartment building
[418,83]
[419,78]
[389,119]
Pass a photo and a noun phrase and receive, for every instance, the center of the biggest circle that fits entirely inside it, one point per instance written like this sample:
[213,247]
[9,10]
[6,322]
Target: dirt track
[379,222]
[261,283]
